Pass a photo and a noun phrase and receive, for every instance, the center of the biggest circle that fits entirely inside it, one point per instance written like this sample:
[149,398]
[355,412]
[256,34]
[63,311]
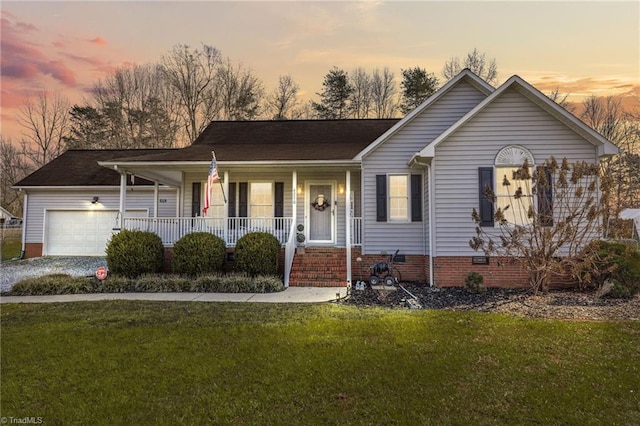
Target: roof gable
[605,147]
[465,75]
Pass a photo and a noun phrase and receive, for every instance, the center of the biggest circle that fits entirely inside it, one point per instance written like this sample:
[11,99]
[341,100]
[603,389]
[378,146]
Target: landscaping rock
[557,304]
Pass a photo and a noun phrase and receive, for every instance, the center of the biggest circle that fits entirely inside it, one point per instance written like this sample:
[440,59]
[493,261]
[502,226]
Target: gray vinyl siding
[286,176]
[511,119]
[137,198]
[392,157]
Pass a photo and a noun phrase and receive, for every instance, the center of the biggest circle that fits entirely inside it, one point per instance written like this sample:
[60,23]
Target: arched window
[513,184]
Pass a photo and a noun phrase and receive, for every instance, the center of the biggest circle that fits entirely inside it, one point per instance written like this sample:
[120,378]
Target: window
[518,207]
[398,197]
[261,199]
[512,186]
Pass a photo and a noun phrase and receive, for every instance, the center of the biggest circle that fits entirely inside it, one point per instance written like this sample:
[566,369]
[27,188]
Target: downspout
[431,226]
[347,209]
[24,227]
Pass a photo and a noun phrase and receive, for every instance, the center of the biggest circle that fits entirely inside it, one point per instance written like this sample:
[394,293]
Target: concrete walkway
[290,295]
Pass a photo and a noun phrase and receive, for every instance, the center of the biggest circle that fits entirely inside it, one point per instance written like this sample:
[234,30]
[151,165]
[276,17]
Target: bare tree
[360,97]
[283,103]
[562,99]
[383,93]
[487,69]
[240,92]
[191,73]
[13,167]
[133,107]
[608,117]
[547,236]
[45,120]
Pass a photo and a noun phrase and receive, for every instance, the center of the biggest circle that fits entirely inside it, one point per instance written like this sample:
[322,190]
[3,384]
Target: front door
[321,208]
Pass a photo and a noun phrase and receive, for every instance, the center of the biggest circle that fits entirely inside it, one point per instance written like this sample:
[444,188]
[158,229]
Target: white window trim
[512,156]
[407,177]
[273,198]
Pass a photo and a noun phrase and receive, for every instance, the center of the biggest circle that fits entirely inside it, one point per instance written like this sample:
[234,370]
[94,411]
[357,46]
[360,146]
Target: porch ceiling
[170,173]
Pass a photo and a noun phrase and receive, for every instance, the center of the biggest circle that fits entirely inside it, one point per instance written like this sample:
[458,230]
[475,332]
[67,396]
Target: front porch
[329,266]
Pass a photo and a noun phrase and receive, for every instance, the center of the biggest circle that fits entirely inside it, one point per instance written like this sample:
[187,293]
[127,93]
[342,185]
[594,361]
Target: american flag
[212,179]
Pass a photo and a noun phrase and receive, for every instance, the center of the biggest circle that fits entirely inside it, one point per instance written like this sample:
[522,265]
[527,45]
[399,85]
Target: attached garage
[80,232]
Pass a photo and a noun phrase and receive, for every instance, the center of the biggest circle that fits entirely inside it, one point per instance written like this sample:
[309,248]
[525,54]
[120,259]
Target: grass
[134,362]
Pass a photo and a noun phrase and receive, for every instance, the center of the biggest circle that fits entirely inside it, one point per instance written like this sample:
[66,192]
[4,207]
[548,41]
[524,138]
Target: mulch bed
[557,304]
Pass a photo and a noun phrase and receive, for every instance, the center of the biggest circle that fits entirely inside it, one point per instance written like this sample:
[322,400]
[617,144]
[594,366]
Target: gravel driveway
[13,271]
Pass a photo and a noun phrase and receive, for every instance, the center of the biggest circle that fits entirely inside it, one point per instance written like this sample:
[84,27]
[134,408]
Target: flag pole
[224,197]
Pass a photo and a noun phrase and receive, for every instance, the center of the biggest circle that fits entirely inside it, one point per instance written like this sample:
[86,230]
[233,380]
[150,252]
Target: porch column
[123,198]
[347,214]
[225,190]
[156,187]
[294,194]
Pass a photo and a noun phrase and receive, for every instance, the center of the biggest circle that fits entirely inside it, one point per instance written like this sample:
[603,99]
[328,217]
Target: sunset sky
[579,47]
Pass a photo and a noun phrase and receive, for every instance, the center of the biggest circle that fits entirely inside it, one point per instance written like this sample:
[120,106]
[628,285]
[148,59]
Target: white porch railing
[356,231]
[289,253]
[171,229]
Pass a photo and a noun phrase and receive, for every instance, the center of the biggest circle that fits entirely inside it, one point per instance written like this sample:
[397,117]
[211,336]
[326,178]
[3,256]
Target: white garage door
[80,232]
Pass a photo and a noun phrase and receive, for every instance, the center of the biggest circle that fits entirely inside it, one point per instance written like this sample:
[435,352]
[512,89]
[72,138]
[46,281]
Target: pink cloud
[99,41]
[23,59]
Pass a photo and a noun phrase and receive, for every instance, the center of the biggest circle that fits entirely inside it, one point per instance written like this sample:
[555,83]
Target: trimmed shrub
[257,253]
[474,282]
[198,253]
[267,284]
[210,283]
[133,253]
[613,265]
[116,284]
[54,284]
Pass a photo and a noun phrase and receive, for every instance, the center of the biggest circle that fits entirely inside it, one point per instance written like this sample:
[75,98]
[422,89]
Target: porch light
[300,190]
[341,189]
[95,200]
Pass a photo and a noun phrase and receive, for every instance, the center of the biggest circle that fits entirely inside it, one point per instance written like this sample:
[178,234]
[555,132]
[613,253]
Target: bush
[210,283]
[257,253]
[133,253]
[198,253]
[474,282]
[615,265]
[54,284]
[116,284]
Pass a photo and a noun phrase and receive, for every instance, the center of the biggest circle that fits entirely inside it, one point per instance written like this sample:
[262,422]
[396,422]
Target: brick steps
[319,267]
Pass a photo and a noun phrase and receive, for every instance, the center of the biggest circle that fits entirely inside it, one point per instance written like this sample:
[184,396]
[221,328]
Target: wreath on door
[320,203]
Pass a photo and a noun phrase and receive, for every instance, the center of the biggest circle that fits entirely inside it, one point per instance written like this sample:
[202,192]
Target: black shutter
[195,199]
[485,175]
[545,201]
[381,198]
[279,203]
[416,198]
[242,195]
[279,199]
[232,199]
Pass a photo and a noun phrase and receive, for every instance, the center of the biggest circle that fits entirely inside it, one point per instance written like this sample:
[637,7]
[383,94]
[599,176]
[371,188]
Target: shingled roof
[80,168]
[289,140]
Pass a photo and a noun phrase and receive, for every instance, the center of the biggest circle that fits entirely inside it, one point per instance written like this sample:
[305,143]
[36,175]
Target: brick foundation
[32,250]
[414,268]
[451,271]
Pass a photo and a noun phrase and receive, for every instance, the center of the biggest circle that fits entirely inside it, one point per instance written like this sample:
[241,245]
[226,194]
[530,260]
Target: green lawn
[128,362]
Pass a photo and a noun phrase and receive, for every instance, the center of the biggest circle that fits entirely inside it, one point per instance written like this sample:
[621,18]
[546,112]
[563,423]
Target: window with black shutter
[485,177]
